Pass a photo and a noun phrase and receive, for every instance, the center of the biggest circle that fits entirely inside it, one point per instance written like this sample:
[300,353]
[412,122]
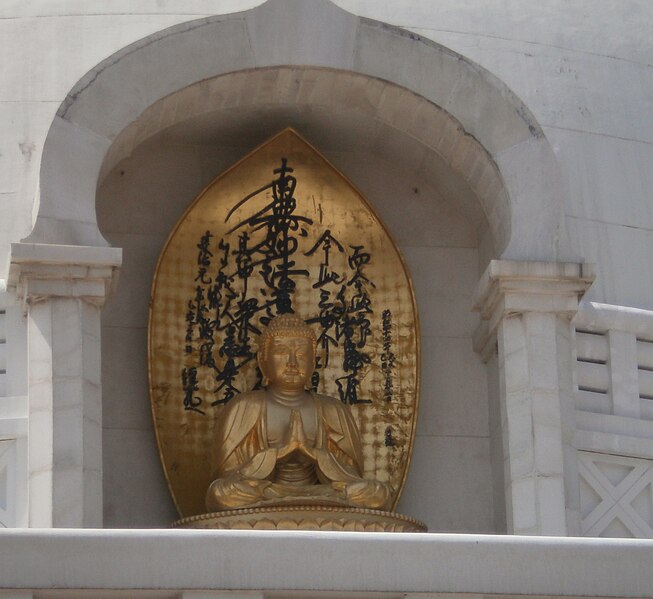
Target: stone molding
[612,442]
[42,271]
[509,287]
[320,564]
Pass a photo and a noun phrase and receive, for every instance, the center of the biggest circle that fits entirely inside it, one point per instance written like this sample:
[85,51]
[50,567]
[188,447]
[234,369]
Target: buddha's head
[286,353]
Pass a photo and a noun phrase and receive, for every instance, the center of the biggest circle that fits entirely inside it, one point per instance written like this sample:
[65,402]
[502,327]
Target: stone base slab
[304,517]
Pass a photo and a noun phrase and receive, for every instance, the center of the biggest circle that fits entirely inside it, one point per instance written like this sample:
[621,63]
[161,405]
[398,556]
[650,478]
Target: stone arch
[486,118]
[354,112]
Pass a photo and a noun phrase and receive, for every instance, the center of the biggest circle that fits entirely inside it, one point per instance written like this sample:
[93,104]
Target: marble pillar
[526,309]
[62,289]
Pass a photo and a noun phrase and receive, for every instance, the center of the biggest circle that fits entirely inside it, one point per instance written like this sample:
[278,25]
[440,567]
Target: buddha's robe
[247,471]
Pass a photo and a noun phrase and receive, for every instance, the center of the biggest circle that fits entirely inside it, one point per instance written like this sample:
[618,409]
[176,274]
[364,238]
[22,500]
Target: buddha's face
[289,362]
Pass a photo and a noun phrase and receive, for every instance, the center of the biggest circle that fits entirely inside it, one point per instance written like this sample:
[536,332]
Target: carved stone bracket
[509,287]
[40,271]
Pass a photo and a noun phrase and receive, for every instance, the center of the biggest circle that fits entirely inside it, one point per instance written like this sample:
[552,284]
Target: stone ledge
[323,562]
[613,444]
[45,253]
[614,424]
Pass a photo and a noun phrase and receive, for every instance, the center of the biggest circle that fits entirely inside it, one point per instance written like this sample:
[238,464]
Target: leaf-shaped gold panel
[281,229]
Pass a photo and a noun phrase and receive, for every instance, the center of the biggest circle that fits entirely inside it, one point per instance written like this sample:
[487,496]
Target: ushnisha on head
[286,353]
[284,325]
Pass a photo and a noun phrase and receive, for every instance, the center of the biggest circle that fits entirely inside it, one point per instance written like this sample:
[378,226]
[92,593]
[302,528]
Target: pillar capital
[41,271]
[510,287]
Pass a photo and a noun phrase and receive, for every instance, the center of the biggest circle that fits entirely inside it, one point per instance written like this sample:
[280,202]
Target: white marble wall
[450,481]
[585,75]
[584,70]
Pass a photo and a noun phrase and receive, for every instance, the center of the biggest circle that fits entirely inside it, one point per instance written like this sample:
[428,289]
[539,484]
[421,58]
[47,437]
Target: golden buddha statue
[284,445]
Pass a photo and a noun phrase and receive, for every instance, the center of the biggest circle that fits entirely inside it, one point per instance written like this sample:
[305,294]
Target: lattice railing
[593,374]
[616,495]
[614,420]
[645,372]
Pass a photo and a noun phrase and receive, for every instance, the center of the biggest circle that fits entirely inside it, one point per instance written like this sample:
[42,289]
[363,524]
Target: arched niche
[156,167]
[401,116]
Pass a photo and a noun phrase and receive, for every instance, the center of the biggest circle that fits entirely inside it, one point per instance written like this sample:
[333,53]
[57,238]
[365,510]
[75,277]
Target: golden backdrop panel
[281,230]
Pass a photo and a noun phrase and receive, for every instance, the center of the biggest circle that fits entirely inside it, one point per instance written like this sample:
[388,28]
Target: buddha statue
[284,445]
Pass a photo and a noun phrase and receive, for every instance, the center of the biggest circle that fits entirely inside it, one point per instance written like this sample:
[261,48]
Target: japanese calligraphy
[227,310]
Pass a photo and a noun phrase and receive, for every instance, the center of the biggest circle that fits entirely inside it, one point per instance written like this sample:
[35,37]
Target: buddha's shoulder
[330,402]
[248,398]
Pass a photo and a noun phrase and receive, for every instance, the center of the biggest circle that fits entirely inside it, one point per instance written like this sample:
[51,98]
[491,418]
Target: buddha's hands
[296,439]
